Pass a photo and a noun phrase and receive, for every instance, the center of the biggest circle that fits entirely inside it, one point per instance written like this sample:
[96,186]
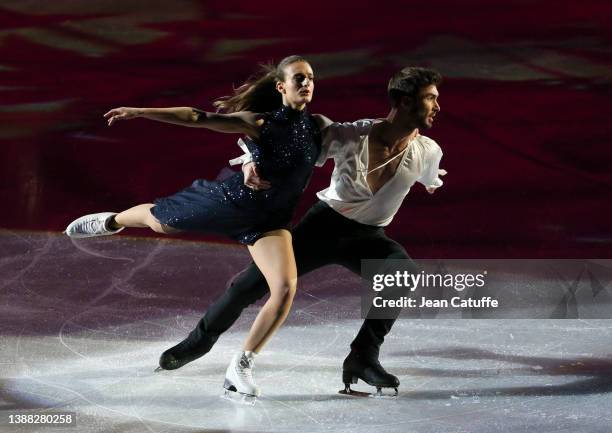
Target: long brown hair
[258,93]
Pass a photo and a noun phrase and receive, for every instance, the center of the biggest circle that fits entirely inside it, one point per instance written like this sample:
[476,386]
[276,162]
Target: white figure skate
[239,384]
[91,225]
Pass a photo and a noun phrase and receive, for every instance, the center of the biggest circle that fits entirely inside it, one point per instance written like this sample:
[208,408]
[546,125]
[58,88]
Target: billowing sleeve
[242,159]
[338,134]
[430,177]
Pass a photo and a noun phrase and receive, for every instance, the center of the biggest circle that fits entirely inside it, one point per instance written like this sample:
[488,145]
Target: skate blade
[237,398]
[378,394]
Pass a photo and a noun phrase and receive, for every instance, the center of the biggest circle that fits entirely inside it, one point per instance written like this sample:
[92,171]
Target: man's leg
[311,247]
[246,289]
[362,361]
[372,333]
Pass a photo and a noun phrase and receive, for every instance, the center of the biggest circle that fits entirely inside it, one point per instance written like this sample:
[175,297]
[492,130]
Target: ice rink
[525,131]
[84,322]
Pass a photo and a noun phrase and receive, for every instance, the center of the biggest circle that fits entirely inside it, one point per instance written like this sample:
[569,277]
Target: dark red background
[524,123]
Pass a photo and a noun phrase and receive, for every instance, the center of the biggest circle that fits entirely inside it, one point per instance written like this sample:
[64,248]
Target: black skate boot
[370,371]
[191,348]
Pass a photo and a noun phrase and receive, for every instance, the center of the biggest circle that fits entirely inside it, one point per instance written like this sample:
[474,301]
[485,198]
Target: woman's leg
[273,255]
[110,223]
[140,216]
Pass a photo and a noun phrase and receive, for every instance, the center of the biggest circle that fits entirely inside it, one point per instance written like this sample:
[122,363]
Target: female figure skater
[285,142]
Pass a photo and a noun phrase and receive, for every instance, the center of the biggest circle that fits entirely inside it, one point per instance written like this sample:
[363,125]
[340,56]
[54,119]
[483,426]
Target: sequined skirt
[222,207]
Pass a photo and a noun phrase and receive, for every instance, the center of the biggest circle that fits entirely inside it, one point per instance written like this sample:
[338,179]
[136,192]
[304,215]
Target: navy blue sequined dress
[288,146]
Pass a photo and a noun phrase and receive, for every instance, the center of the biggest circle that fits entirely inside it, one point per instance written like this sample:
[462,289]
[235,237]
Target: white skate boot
[239,379]
[91,225]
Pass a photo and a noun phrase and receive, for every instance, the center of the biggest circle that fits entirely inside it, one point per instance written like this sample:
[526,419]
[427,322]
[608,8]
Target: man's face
[426,107]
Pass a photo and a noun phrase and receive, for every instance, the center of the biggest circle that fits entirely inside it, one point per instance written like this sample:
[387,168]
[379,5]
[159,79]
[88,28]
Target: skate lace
[244,368]
[92,226]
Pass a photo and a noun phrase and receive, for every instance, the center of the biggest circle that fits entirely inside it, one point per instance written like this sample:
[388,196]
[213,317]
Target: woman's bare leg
[273,255]
[141,216]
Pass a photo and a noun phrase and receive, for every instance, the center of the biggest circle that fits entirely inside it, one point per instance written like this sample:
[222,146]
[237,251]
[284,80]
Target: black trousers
[322,237]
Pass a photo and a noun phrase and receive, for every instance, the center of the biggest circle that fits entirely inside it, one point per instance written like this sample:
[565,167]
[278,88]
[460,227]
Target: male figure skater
[376,164]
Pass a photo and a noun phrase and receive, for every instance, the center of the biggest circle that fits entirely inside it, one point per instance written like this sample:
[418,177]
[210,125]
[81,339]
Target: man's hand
[252,179]
[432,189]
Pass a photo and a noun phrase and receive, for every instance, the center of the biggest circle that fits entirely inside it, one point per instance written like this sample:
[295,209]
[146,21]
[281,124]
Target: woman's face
[298,86]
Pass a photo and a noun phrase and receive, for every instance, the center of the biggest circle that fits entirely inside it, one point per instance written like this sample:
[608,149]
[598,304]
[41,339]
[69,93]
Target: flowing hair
[258,94]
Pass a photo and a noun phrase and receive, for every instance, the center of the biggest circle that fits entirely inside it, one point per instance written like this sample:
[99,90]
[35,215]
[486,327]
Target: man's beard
[422,115]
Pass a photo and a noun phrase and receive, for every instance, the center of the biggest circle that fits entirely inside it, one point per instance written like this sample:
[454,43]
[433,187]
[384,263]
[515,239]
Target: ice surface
[82,331]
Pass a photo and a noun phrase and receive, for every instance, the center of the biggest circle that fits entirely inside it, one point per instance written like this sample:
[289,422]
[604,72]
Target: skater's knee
[163,229]
[249,282]
[407,263]
[158,227]
[283,292]
[288,287]
[398,255]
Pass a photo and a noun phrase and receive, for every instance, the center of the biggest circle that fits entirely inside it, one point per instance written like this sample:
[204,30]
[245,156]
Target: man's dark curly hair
[409,81]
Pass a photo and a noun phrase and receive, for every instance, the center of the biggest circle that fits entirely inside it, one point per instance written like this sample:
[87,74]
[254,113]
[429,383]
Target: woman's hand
[121,113]
[252,179]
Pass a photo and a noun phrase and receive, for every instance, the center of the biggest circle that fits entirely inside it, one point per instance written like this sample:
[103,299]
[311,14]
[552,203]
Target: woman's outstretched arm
[243,122]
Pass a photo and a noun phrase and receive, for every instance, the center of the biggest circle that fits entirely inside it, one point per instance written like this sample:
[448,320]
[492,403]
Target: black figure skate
[370,371]
[190,349]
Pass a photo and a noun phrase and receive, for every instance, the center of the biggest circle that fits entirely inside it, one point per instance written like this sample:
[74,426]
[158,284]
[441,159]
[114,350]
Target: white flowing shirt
[349,193]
